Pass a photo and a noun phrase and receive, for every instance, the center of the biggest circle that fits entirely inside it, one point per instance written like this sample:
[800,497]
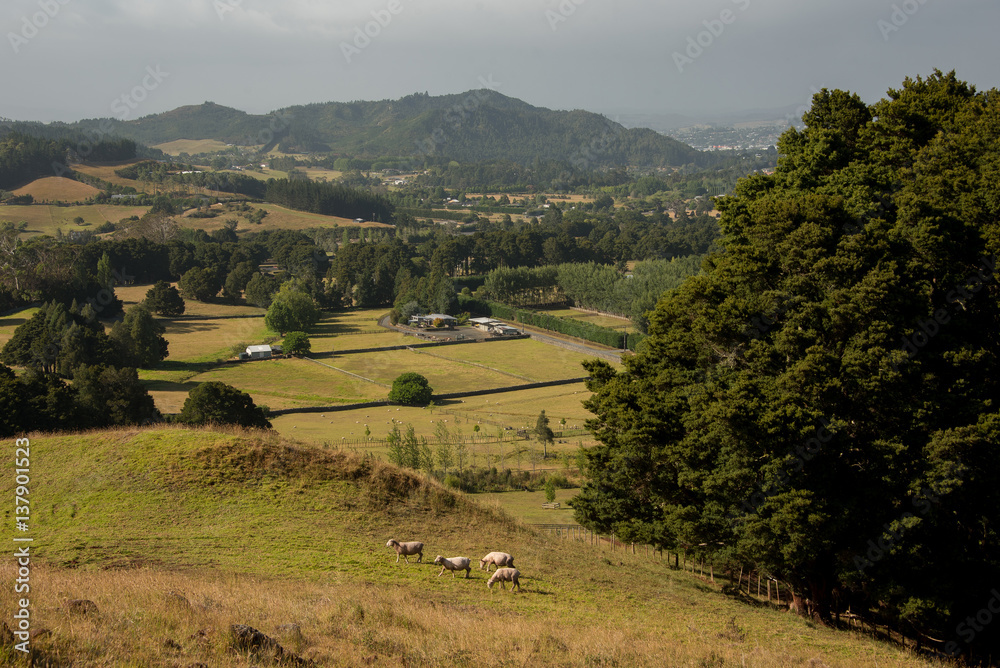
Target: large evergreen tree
[820,403]
[139,337]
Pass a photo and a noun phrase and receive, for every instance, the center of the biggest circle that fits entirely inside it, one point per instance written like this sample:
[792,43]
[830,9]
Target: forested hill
[474,126]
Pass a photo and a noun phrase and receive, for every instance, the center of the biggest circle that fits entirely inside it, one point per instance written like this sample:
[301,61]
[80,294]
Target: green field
[289,383]
[12,321]
[527,506]
[175,535]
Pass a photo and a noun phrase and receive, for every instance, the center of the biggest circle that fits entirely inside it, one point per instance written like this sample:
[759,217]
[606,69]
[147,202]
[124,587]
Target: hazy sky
[72,59]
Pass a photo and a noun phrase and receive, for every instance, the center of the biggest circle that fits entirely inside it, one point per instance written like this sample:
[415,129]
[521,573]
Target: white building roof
[258,349]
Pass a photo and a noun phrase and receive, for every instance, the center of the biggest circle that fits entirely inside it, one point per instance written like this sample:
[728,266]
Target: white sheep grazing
[498,559]
[404,549]
[503,575]
[453,564]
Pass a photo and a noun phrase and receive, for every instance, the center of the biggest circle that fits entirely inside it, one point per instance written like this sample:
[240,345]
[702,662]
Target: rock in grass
[81,606]
[248,639]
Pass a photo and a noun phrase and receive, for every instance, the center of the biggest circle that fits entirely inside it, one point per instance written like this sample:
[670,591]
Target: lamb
[453,564]
[404,549]
[498,559]
[503,575]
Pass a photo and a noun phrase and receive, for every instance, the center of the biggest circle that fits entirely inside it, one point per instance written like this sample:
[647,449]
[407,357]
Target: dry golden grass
[57,189]
[155,617]
[107,173]
[47,218]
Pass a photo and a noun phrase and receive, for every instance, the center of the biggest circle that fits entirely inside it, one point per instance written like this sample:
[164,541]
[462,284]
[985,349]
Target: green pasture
[527,506]
[178,534]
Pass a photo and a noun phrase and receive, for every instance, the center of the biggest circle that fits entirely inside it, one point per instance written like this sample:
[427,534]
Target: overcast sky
[72,59]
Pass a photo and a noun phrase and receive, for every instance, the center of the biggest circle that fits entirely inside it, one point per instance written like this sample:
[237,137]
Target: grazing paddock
[12,321]
[491,413]
[47,218]
[352,330]
[58,189]
[291,383]
[133,294]
[107,173]
[279,217]
[444,376]
[524,357]
[211,340]
[527,506]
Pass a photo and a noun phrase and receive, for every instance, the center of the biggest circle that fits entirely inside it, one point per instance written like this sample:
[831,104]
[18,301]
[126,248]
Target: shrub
[410,389]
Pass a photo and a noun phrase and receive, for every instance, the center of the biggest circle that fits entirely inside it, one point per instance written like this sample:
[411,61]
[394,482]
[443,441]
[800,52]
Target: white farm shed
[259,352]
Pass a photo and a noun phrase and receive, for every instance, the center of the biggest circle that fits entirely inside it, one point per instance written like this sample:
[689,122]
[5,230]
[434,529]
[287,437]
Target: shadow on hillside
[189,367]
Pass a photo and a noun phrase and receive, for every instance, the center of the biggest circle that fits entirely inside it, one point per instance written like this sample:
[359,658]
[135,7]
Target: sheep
[404,549]
[498,559]
[503,575]
[453,564]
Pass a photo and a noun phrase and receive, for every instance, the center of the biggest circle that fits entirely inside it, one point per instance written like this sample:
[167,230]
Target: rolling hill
[174,535]
[474,126]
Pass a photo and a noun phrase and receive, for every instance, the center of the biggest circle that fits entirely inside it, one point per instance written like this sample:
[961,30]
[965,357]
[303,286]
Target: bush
[410,389]
[296,343]
[217,403]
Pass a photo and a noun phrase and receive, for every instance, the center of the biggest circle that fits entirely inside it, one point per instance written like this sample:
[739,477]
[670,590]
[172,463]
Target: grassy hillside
[57,188]
[176,534]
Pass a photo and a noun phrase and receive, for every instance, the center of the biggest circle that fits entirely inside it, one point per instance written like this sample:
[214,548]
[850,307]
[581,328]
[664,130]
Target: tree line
[820,402]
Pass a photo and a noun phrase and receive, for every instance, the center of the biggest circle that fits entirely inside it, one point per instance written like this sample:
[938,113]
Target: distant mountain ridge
[479,125]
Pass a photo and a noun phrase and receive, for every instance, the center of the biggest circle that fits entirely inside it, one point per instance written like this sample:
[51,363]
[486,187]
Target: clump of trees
[820,403]
[291,309]
[215,402]
[164,299]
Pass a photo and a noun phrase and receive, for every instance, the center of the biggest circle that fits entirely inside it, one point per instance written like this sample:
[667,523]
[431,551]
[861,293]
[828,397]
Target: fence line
[354,375]
[375,442]
[385,402]
[477,364]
